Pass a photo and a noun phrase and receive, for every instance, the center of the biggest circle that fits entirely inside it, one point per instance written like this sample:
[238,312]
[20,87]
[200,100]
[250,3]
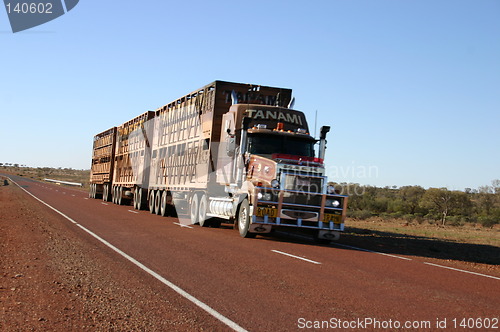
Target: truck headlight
[330,189]
[275,183]
[265,196]
[332,202]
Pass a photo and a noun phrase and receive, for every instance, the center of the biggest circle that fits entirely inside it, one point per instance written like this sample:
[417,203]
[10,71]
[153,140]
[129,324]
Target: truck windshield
[263,144]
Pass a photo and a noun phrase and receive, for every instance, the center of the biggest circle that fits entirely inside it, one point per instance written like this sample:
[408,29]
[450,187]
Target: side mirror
[230,144]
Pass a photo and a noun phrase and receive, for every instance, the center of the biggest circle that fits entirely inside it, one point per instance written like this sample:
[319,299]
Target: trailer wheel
[114,195]
[91,191]
[244,220]
[109,193]
[120,195]
[158,202]
[164,205]
[202,211]
[134,198]
[140,199]
[152,201]
[194,209]
[105,193]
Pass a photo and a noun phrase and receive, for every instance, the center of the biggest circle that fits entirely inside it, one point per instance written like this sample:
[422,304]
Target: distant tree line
[10,165]
[435,205]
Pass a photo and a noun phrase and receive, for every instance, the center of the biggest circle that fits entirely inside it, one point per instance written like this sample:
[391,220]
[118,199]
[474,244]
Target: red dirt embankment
[55,279]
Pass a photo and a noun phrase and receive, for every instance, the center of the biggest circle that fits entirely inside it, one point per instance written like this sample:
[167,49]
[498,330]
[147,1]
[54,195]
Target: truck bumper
[284,211]
[320,225]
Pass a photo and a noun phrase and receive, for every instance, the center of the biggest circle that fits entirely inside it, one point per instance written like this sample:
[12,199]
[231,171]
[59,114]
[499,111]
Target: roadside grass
[467,233]
[40,173]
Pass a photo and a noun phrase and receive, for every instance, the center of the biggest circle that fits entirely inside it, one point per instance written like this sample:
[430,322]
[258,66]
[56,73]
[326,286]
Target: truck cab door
[228,149]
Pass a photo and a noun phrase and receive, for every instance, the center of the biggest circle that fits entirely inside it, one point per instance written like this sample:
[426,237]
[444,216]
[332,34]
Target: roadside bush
[398,214]
[488,222]
[432,217]
[455,221]
[362,215]
[409,217]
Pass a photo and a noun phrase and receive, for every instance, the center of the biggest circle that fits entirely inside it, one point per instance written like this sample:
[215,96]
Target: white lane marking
[104,203]
[167,283]
[73,195]
[375,252]
[454,269]
[133,211]
[176,223]
[287,254]
[38,199]
[85,198]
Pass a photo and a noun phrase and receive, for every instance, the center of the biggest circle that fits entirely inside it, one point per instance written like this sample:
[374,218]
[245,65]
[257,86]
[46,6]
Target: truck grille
[303,183]
[302,198]
[302,189]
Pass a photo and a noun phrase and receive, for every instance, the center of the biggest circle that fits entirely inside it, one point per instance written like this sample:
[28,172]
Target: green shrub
[488,221]
[363,214]
[455,221]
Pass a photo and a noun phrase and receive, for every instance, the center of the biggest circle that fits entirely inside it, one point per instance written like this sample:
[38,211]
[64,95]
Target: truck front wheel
[244,220]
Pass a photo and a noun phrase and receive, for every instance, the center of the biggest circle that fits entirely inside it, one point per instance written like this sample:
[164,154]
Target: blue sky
[411,89]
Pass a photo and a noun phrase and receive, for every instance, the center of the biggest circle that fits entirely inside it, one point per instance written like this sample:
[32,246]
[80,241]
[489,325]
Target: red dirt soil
[53,278]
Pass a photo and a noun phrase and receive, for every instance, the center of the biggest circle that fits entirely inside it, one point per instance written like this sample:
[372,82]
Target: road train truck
[228,152]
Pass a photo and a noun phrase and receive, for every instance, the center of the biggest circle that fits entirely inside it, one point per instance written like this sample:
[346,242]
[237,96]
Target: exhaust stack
[322,141]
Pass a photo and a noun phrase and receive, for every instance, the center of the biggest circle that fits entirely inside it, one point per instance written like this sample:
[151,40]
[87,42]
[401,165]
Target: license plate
[332,217]
[270,212]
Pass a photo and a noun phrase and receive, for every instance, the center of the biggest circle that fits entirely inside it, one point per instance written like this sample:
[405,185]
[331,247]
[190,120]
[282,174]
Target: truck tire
[163,205]
[120,196]
[105,193]
[202,211]
[91,191]
[134,198]
[115,195]
[158,202]
[152,201]
[194,209]
[140,200]
[244,220]
[109,192]
[137,197]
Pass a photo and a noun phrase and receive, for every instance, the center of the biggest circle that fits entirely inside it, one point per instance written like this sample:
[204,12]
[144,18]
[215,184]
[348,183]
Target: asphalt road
[275,283]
